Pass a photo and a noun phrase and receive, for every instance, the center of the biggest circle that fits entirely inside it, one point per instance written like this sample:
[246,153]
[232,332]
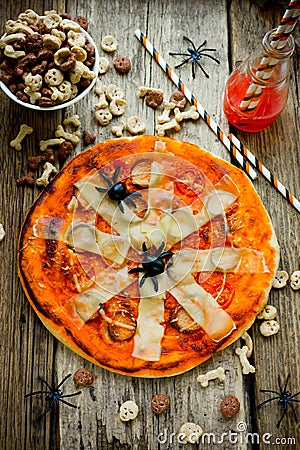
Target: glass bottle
[266,74]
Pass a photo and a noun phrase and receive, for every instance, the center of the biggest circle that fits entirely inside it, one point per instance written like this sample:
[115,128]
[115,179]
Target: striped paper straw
[266,173]
[279,40]
[190,97]
[236,148]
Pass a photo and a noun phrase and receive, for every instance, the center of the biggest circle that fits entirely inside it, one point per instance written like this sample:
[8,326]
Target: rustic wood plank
[278,148]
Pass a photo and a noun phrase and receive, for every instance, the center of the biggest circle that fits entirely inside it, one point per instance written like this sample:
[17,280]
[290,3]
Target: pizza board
[147,255]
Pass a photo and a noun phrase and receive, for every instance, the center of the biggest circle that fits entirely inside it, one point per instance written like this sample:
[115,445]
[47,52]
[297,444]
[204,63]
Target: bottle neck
[270,66]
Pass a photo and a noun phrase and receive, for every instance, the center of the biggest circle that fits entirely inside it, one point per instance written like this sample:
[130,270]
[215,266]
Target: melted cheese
[203,309]
[150,328]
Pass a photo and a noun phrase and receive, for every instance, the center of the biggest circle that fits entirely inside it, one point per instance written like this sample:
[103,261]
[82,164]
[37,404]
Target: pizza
[147,255]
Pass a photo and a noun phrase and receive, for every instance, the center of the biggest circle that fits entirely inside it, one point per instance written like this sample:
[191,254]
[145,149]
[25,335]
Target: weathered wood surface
[27,348]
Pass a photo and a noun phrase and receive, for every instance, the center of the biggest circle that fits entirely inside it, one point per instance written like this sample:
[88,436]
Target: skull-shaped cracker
[128,411]
[280,279]
[190,432]
[295,280]
[269,327]
[159,403]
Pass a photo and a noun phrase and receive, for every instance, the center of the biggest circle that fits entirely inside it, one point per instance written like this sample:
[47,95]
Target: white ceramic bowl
[76,99]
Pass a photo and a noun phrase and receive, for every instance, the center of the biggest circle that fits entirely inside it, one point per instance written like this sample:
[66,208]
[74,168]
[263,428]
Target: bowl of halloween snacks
[47,62]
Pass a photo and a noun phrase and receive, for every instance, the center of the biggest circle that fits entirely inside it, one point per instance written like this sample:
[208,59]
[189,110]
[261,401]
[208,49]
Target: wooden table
[234,28]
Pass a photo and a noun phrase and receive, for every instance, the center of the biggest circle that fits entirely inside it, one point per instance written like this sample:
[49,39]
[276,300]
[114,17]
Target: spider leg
[186,38]
[183,62]
[280,420]
[179,54]
[286,382]
[193,69]
[166,254]
[39,418]
[67,403]
[116,174]
[268,390]
[155,283]
[70,395]
[106,179]
[63,381]
[121,206]
[129,201]
[160,249]
[136,270]
[35,393]
[44,381]
[136,194]
[200,65]
[144,247]
[200,46]
[267,401]
[294,412]
[143,279]
[212,57]
[99,189]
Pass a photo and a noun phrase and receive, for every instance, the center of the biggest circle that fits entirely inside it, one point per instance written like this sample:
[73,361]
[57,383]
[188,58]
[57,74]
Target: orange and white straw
[232,143]
[267,64]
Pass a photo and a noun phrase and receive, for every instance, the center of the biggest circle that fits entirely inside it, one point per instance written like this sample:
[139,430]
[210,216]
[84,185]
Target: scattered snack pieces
[122,64]
[161,128]
[118,106]
[64,150]
[83,377]
[112,91]
[50,143]
[165,116]
[135,125]
[17,142]
[143,90]
[295,280]
[117,130]
[128,411]
[191,113]
[214,374]
[44,179]
[179,100]
[72,137]
[159,403]
[154,98]
[34,161]
[190,432]
[72,120]
[103,116]
[230,406]
[109,44]
[248,342]
[102,102]
[51,58]
[103,65]
[281,279]
[27,179]
[268,313]
[246,366]
[2,232]
[88,138]
[269,327]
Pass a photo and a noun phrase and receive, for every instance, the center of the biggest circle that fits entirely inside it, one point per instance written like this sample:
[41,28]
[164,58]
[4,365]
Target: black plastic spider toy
[152,265]
[117,190]
[284,397]
[54,394]
[195,54]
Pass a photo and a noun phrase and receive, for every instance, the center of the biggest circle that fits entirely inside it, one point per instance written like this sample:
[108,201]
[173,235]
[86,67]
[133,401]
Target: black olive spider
[53,394]
[284,397]
[152,265]
[195,54]
[117,190]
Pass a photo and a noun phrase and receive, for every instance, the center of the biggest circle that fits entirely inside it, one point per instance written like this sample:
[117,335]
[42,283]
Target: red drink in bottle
[265,74]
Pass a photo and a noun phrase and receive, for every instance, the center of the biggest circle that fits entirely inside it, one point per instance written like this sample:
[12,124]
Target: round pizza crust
[47,273]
